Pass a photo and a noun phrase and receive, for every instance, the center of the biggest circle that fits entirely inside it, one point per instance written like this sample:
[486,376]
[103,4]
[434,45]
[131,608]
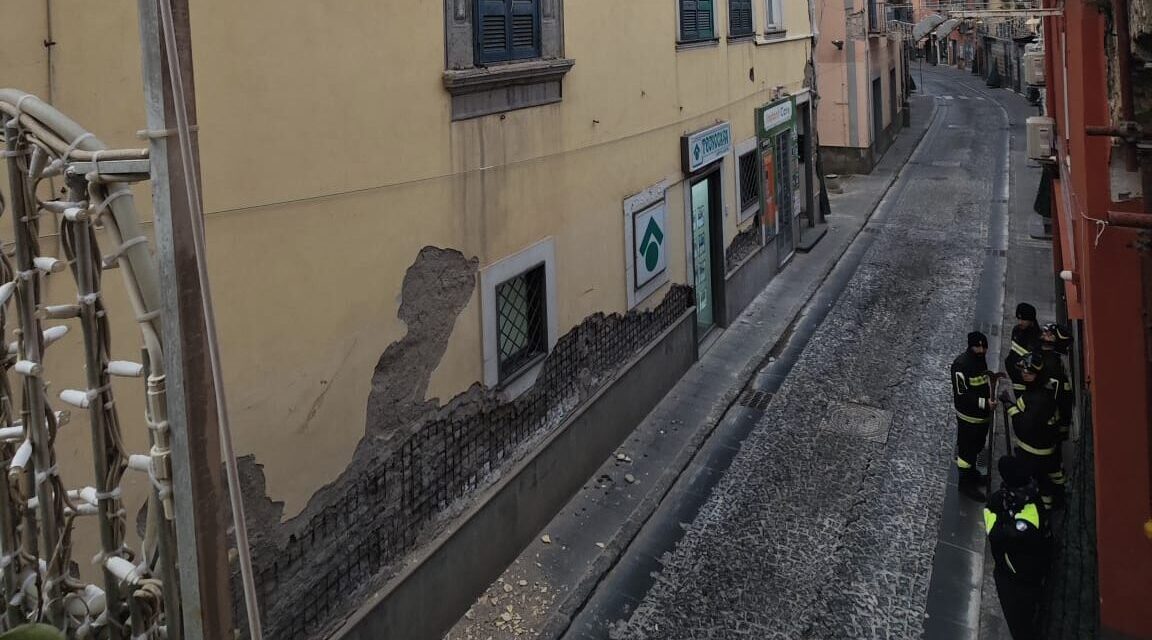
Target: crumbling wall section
[419,465]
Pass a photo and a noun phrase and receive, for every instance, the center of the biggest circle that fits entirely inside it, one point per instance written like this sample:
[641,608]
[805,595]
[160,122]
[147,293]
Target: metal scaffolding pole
[196,455]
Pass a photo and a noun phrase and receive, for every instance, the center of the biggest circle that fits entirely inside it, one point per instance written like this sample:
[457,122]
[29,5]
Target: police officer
[1021,544]
[1052,337]
[974,403]
[1033,416]
[1025,338]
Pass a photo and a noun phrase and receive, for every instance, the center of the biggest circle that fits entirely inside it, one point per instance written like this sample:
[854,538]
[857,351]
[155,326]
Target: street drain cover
[861,421]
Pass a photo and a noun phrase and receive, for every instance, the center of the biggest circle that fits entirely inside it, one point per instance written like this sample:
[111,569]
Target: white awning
[926,25]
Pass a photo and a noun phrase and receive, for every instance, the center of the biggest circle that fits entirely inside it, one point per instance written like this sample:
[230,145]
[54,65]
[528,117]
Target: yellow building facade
[551,152]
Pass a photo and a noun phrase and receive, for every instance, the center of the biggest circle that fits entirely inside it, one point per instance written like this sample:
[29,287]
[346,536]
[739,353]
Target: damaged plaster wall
[419,464]
[435,290]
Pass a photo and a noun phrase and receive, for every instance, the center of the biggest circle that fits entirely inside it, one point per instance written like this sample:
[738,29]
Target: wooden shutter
[492,31]
[507,30]
[688,20]
[525,31]
[705,18]
[740,17]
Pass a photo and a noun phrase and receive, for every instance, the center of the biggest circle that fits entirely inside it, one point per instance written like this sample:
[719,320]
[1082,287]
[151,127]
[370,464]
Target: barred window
[521,322]
[749,181]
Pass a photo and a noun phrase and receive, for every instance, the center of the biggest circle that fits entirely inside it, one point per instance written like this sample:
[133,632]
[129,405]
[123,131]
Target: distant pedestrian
[1033,417]
[1025,339]
[1021,544]
[974,403]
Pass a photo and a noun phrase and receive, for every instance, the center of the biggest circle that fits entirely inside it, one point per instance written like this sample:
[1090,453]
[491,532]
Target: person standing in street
[1021,545]
[1033,417]
[974,403]
[1025,338]
[1052,338]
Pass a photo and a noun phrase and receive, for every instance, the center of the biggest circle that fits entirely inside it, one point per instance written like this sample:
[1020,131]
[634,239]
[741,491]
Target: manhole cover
[857,420]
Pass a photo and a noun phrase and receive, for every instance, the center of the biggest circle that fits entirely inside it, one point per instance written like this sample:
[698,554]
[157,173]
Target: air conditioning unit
[1034,68]
[1041,138]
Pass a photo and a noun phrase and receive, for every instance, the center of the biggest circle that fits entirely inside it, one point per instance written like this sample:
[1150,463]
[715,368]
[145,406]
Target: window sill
[505,87]
[748,37]
[697,44]
[772,36]
[522,380]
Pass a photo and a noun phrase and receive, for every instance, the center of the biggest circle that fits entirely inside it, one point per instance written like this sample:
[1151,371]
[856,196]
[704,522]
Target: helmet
[1031,362]
[1058,331]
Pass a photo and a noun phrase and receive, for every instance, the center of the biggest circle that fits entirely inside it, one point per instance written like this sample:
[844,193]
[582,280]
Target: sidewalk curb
[560,620]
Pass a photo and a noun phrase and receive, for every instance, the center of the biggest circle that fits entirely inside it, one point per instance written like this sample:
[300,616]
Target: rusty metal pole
[198,483]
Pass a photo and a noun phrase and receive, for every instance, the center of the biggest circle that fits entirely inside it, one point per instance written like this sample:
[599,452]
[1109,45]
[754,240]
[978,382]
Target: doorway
[784,153]
[877,110]
[705,214]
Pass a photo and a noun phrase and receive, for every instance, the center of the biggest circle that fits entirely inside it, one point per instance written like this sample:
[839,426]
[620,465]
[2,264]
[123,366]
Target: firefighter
[1033,416]
[974,403]
[1025,338]
[1055,376]
[1021,544]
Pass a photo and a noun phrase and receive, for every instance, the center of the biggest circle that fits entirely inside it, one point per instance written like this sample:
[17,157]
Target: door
[702,255]
[804,161]
[785,211]
[877,110]
[893,103]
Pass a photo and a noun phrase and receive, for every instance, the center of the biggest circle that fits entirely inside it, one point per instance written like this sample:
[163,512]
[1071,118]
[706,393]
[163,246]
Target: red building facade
[1098,91]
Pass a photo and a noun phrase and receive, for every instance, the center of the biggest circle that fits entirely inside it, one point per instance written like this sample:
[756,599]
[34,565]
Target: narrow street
[825,523]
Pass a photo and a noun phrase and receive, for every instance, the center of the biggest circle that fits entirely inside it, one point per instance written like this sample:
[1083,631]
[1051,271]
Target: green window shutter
[507,30]
[688,21]
[525,29]
[492,31]
[705,18]
[740,18]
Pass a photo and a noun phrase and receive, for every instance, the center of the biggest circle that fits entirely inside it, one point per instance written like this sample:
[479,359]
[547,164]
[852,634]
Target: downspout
[49,43]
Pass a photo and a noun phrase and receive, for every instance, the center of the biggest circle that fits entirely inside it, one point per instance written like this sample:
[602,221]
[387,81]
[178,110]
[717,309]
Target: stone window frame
[497,273]
[479,90]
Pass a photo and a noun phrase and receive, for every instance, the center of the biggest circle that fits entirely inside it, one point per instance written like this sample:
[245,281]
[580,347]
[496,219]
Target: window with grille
[740,18]
[696,20]
[749,182]
[507,30]
[521,321]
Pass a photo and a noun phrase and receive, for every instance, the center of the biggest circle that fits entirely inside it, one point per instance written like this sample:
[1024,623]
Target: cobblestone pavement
[825,523]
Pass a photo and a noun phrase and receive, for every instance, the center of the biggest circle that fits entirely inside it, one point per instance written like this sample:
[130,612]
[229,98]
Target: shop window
[740,18]
[696,20]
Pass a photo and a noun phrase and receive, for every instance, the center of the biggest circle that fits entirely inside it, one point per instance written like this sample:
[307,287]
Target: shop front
[702,155]
[781,189]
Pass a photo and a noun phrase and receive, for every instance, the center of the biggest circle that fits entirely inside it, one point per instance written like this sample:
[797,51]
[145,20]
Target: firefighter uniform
[972,399]
[1025,339]
[1055,376]
[1021,546]
[1037,436]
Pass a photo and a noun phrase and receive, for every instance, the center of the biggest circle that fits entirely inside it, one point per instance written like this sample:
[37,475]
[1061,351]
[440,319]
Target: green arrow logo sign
[650,244]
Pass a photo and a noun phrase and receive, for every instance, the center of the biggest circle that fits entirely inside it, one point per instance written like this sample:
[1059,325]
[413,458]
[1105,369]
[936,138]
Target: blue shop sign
[704,147]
